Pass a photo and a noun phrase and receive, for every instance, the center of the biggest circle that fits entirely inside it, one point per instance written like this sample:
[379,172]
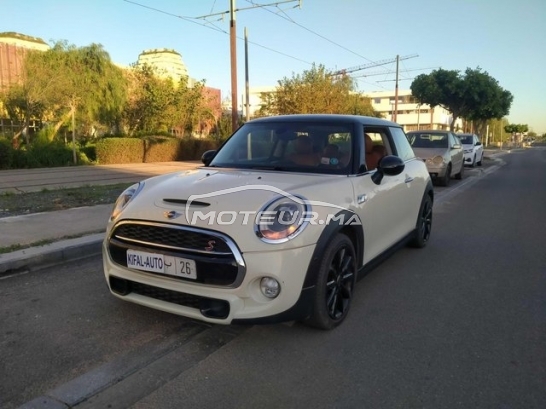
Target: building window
[377,100]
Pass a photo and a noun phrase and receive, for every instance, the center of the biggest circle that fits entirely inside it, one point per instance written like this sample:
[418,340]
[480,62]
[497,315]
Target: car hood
[426,153]
[222,193]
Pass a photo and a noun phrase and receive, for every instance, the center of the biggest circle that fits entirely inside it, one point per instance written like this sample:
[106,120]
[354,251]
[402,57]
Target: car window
[403,148]
[291,146]
[467,139]
[429,139]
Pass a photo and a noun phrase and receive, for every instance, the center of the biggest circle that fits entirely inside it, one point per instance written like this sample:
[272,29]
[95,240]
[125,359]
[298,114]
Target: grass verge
[12,204]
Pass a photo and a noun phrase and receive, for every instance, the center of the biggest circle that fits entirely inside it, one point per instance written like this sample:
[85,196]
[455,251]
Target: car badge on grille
[210,245]
[172,214]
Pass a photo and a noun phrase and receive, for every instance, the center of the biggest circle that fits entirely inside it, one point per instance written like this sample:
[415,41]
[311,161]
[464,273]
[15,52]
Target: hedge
[6,154]
[150,149]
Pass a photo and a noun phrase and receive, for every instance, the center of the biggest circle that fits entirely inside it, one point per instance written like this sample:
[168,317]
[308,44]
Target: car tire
[459,175]
[423,227]
[473,162]
[335,284]
[479,163]
[445,180]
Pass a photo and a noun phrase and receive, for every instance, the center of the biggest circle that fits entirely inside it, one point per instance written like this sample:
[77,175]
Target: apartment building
[167,62]
[409,113]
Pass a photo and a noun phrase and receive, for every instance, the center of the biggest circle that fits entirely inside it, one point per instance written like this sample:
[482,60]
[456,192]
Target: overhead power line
[371,65]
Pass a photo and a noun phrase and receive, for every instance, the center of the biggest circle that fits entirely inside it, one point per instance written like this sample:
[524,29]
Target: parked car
[442,152]
[275,226]
[473,149]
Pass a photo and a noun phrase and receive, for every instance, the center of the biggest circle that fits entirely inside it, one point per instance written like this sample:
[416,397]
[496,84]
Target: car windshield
[289,146]
[428,140]
[466,139]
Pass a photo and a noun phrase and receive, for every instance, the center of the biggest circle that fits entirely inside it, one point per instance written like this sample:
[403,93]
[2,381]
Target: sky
[505,38]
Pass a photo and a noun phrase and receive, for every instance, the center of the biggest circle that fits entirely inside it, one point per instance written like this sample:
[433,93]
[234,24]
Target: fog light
[270,287]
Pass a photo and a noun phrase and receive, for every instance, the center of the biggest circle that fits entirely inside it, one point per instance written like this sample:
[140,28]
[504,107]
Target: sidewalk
[48,231]
[85,224]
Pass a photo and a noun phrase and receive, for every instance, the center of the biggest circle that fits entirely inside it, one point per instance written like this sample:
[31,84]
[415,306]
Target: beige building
[23,41]
[409,113]
[168,63]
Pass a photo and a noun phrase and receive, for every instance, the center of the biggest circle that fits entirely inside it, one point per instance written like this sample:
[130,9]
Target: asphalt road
[459,324]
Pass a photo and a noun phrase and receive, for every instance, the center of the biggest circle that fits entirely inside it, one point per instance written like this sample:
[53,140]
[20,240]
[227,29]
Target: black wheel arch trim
[303,308]
[353,231]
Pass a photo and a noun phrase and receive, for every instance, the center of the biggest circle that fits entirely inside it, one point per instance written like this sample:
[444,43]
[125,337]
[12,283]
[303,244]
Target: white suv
[275,226]
[473,149]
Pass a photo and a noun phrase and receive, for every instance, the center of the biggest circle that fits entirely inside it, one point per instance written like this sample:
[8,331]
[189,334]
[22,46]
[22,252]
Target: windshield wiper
[264,167]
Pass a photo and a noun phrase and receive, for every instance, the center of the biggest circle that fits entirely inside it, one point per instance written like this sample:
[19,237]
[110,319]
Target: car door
[383,208]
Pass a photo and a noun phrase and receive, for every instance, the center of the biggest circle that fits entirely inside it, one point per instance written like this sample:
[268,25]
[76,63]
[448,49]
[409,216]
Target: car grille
[217,259]
[172,237]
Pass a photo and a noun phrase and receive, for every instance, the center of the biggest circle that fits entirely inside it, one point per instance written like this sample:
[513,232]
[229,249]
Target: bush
[119,150]
[90,152]
[161,149]
[49,154]
[6,154]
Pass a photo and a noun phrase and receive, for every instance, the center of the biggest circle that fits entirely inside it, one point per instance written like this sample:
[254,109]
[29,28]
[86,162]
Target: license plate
[161,263]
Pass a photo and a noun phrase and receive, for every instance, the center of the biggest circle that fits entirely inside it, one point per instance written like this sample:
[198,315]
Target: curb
[38,258]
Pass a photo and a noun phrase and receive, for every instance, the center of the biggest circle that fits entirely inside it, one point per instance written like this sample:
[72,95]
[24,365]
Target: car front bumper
[436,171]
[213,303]
[469,158]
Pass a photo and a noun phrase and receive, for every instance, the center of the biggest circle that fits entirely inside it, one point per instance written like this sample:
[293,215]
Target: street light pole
[247,86]
[233,58]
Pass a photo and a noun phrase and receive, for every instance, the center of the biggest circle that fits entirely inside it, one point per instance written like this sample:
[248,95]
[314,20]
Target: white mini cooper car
[276,226]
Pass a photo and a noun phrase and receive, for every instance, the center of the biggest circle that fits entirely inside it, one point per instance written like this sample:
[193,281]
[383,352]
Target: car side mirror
[478,144]
[207,157]
[390,166]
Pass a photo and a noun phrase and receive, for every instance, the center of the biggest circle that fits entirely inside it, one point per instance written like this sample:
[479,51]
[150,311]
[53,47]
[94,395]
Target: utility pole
[233,58]
[233,50]
[247,86]
[396,90]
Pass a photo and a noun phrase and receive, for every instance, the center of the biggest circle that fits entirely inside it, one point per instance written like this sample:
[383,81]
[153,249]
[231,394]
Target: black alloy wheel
[335,284]
[423,228]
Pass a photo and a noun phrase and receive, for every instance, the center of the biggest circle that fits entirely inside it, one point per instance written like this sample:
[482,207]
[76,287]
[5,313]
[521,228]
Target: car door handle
[408,179]
[361,198]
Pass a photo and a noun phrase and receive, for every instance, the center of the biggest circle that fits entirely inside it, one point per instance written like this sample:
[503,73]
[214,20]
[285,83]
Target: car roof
[364,120]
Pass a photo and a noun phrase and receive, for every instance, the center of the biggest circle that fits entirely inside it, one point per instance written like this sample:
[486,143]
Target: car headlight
[437,160]
[123,199]
[468,151]
[282,219]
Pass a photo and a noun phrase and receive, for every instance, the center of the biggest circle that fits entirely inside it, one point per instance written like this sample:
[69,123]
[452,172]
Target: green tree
[516,130]
[474,96]
[484,99]
[29,98]
[315,91]
[66,81]
[148,101]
